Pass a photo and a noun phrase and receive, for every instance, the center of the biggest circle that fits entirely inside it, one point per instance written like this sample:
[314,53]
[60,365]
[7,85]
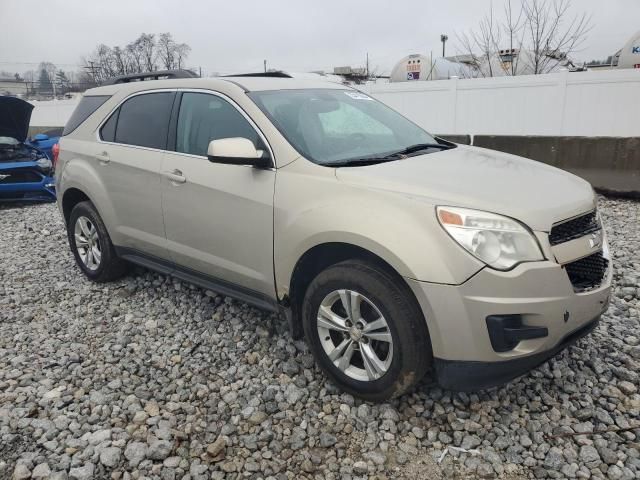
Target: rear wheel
[91,245]
[366,330]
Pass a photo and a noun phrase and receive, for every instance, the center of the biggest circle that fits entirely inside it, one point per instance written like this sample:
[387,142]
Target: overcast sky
[294,35]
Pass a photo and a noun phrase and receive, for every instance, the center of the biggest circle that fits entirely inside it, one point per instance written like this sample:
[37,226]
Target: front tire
[91,245]
[366,330]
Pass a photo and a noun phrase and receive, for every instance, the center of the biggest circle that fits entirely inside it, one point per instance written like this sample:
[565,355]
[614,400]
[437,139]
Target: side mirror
[237,151]
[40,137]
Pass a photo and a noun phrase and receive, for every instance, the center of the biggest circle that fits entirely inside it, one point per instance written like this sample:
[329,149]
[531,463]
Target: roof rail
[145,76]
[273,74]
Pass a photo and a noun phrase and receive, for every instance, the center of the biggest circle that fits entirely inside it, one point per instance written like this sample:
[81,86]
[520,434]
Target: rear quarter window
[85,108]
[108,130]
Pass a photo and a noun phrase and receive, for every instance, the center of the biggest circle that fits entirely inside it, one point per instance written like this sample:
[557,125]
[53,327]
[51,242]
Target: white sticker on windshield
[358,96]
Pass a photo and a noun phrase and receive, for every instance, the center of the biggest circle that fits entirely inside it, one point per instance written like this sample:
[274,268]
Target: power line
[38,63]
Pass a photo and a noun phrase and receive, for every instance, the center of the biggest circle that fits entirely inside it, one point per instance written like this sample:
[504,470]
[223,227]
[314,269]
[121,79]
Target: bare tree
[134,51]
[485,41]
[182,52]
[144,54]
[514,29]
[552,35]
[120,61]
[532,38]
[105,65]
[147,45]
[168,51]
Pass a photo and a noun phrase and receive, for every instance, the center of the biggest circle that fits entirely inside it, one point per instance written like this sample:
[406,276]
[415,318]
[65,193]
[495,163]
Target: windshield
[333,127]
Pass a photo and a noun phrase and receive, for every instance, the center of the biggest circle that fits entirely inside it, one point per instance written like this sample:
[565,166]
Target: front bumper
[41,190]
[539,292]
[469,376]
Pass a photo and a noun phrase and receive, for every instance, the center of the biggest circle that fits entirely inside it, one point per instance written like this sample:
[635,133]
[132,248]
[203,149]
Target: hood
[15,115]
[532,192]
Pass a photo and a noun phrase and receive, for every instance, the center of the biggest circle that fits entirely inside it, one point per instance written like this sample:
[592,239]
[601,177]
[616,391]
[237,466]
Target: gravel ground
[149,377]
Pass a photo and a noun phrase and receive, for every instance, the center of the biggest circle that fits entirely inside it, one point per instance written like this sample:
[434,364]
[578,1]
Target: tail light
[55,150]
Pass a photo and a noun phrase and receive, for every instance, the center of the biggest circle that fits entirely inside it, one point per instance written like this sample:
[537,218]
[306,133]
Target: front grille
[574,228]
[588,272]
[19,176]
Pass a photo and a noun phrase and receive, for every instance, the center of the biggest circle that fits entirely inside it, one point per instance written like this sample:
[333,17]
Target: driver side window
[203,117]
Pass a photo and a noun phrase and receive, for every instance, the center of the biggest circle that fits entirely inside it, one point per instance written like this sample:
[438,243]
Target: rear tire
[377,346]
[91,245]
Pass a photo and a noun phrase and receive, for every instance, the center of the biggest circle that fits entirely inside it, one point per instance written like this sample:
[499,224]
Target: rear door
[218,218]
[129,157]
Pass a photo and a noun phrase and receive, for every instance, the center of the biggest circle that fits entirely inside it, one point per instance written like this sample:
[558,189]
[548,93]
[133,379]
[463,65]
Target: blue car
[26,172]
[44,143]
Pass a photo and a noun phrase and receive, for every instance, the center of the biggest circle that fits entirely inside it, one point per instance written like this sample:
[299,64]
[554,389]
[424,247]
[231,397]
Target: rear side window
[85,108]
[144,120]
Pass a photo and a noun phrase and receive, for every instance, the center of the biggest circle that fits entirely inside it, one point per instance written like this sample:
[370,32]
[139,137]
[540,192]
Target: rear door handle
[175,176]
[103,158]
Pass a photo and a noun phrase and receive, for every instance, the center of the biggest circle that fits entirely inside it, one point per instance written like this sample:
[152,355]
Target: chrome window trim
[118,105]
[231,101]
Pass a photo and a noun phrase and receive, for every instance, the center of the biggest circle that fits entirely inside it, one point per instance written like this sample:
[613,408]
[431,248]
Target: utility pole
[200,71]
[265,66]
[92,69]
[367,65]
[443,39]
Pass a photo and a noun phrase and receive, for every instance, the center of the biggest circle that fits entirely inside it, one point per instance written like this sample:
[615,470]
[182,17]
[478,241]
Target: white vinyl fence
[595,103]
[600,103]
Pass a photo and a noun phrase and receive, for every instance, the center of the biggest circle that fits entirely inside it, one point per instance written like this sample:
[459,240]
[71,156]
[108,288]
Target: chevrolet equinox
[392,251]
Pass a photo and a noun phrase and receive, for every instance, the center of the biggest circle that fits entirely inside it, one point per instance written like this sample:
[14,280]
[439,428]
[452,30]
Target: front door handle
[175,176]
[103,158]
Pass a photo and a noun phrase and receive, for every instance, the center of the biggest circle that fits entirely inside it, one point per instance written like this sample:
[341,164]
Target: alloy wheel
[87,243]
[355,335]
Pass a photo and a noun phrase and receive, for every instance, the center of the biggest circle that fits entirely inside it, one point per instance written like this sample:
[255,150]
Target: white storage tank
[629,56]
[418,67]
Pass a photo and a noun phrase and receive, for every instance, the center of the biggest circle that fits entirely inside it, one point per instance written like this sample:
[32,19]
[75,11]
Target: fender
[313,207]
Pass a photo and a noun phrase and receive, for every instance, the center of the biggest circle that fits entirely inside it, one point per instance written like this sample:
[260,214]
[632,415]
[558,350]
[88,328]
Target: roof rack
[273,74]
[145,76]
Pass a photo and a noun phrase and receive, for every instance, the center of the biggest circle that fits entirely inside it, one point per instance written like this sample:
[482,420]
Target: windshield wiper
[417,148]
[359,162]
[356,162]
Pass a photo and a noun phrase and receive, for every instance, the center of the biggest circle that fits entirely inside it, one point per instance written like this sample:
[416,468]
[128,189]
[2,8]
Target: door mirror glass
[237,151]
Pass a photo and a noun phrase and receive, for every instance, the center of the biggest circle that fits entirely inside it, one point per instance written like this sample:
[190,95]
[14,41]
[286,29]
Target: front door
[218,218]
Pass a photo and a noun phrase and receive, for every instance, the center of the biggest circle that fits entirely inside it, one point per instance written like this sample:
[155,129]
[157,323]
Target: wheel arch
[70,198]
[318,258]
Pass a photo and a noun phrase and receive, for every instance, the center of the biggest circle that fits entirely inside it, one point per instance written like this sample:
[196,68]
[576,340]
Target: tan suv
[391,250]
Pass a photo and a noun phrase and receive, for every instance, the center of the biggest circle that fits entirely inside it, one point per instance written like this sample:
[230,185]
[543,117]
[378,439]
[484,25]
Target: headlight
[44,163]
[498,241]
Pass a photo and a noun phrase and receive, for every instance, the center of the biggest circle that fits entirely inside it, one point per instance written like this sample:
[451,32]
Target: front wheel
[366,331]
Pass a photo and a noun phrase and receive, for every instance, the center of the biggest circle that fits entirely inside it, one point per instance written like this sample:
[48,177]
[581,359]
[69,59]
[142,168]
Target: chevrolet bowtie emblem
[595,240]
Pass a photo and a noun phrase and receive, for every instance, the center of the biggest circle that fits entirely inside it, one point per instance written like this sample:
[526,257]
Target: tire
[398,365]
[108,266]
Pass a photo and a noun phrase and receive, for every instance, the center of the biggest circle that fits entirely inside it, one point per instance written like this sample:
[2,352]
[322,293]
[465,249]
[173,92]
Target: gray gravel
[149,377]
